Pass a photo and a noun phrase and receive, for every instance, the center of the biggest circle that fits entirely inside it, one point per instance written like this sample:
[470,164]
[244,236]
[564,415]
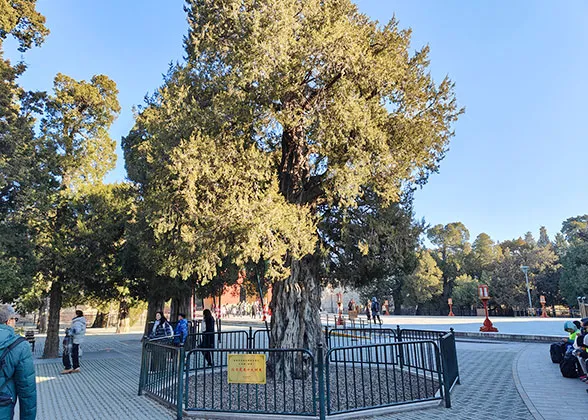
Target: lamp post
[450,303]
[485,297]
[525,269]
[542,301]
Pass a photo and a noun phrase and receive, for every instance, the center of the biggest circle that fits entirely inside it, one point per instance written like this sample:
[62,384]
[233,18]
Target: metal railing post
[250,343]
[179,378]
[321,379]
[142,372]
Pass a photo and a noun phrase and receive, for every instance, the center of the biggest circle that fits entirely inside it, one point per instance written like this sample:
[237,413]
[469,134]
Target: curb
[522,393]
[509,337]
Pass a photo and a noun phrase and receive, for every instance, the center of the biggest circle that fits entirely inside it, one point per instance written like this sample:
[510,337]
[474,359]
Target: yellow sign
[246,369]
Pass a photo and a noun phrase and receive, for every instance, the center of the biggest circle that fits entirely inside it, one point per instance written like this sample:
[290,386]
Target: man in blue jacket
[17,378]
[181,331]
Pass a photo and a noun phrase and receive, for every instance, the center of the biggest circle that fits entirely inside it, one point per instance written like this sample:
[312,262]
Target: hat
[6,312]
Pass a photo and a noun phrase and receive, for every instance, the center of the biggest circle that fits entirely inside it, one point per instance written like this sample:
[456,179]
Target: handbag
[6,399]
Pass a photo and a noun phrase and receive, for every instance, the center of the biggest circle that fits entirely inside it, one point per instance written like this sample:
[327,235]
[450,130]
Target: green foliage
[465,291]
[20,19]
[75,128]
[282,110]
[425,282]
[452,248]
[371,242]
[574,276]
[575,228]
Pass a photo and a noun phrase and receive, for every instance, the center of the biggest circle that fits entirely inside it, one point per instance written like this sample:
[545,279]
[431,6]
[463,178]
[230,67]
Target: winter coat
[181,332]
[19,368]
[208,334]
[78,329]
[161,331]
[375,307]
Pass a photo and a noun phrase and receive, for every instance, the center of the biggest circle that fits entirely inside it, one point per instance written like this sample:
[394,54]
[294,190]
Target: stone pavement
[499,380]
[548,394]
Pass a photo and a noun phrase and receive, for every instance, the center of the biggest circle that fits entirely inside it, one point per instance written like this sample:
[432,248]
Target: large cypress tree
[282,106]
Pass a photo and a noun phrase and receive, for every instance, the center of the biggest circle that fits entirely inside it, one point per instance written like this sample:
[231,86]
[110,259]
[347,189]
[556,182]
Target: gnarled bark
[123,317]
[295,319]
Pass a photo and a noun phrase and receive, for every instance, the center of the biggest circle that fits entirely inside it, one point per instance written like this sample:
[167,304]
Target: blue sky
[519,155]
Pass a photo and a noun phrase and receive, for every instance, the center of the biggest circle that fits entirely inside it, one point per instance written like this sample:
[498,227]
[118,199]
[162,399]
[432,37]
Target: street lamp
[485,297]
[525,270]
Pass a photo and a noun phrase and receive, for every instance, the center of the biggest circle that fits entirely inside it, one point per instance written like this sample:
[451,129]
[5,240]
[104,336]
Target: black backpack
[6,399]
[557,352]
[569,366]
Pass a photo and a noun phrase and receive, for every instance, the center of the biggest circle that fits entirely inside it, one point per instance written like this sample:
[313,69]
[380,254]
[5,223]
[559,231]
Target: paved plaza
[501,380]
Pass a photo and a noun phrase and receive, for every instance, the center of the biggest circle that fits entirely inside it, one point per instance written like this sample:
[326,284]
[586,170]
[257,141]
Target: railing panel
[285,392]
[370,376]
[161,372]
[346,337]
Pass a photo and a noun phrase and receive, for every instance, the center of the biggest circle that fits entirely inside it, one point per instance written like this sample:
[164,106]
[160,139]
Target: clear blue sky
[518,159]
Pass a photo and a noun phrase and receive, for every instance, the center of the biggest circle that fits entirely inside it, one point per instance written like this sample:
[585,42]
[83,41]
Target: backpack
[6,399]
[557,352]
[569,366]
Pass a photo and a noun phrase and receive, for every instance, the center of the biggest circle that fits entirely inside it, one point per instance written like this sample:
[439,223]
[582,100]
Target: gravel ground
[348,389]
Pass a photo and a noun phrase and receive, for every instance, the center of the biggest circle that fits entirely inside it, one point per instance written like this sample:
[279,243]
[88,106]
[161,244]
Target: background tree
[425,283]
[75,131]
[372,245]
[485,253]
[465,291]
[452,245]
[283,107]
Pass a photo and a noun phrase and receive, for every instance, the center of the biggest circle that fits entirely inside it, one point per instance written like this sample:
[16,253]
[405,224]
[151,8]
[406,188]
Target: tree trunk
[397,296]
[100,320]
[123,317]
[51,349]
[154,304]
[42,316]
[295,321]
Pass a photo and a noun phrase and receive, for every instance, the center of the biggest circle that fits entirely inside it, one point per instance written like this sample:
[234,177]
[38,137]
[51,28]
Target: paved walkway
[502,380]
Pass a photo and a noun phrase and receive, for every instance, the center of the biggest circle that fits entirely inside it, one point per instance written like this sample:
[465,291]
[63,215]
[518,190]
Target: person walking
[181,331]
[376,310]
[77,332]
[17,372]
[207,335]
[368,311]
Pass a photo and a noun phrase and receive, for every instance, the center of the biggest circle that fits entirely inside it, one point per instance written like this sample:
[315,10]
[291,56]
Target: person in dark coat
[208,335]
[17,379]
[376,310]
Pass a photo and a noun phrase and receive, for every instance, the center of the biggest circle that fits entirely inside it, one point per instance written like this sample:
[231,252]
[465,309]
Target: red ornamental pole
[543,311]
[484,296]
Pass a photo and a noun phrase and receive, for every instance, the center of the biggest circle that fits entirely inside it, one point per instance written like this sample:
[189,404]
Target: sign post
[543,311]
[450,303]
[485,297]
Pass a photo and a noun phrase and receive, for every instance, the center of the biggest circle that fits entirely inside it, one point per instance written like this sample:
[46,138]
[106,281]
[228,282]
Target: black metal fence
[382,375]
[364,368]
[285,392]
[162,370]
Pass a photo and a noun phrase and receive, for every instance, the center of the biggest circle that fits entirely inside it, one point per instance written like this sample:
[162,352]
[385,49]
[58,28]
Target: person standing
[17,378]
[181,331]
[207,335]
[161,328]
[376,310]
[77,332]
[368,311]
